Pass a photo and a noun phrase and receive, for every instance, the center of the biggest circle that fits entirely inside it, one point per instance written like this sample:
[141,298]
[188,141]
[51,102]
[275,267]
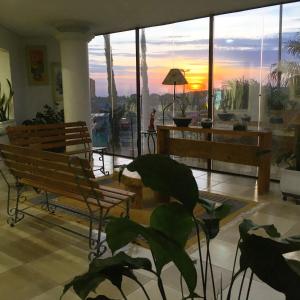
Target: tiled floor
[37,260]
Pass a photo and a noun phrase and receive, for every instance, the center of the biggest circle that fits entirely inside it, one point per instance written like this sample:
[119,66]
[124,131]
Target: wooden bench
[67,176]
[70,138]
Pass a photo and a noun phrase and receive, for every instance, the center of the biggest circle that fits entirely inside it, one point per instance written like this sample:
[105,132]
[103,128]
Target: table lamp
[174,77]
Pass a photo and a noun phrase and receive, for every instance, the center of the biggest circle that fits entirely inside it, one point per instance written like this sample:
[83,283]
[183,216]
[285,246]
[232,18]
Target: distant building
[93,88]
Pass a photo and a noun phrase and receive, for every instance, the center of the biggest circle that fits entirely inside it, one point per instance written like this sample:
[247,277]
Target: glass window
[112,72]
[181,46]
[245,47]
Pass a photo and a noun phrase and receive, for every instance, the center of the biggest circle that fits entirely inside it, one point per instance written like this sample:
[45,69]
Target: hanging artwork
[56,79]
[37,65]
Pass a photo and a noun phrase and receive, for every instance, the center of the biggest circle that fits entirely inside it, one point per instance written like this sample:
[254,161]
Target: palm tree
[293,46]
[116,112]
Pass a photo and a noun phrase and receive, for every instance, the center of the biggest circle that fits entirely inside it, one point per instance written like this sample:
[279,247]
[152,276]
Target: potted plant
[5,103]
[290,176]
[277,101]
[182,120]
[224,105]
[170,226]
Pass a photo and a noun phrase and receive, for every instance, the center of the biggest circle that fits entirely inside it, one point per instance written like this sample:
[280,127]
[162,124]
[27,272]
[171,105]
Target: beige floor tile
[233,189]
[283,209]
[259,291]
[171,277]
[23,283]
[222,253]
[7,262]
[282,224]
[152,290]
[58,267]
[204,183]
[25,250]
[55,293]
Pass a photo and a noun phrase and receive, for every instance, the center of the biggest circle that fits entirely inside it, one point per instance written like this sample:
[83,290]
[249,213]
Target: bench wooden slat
[46,163]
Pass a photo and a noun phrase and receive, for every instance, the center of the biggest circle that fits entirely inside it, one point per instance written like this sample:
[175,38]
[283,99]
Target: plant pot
[246,118]
[3,135]
[240,127]
[289,182]
[225,116]
[182,122]
[276,120]
[206,124]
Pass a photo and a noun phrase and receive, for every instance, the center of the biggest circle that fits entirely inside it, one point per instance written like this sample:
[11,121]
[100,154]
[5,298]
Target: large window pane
[112,70]
[282,92]
[245,47]
[182,46]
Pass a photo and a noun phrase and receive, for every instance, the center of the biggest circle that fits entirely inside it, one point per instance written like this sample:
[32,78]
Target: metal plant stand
[100,151]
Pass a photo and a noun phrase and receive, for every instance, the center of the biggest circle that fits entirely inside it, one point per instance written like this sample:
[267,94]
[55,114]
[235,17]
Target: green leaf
[121,231]
[112,269]
[167,176]
[264,257]
[248,225]
[174,221]
[294,265]
[211,227]
[100,297]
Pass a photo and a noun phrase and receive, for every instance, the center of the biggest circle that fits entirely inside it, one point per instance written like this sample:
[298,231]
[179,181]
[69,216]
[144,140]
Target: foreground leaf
[121,231]
[112,269]
[174,221]
[167,176]
[264,257]
[247,225]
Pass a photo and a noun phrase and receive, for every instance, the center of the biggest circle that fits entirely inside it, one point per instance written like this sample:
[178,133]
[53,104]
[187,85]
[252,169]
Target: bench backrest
[58,173]
[50,136]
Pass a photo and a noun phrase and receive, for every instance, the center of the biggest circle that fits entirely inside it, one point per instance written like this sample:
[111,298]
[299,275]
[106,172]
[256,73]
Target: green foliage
[50,115]
[166,244]
[5,102]
[112,268]
[264,256]
[167,176]
[236,94]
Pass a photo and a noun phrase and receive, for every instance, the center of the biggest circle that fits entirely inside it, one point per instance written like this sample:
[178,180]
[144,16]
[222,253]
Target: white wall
[28,99]
[12,43]
[39,95]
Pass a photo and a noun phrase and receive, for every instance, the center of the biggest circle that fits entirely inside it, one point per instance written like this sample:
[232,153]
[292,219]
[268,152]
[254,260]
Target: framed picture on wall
[56,79]
[37,65]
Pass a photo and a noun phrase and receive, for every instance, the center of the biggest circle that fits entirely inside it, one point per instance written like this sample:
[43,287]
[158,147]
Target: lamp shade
[174,76]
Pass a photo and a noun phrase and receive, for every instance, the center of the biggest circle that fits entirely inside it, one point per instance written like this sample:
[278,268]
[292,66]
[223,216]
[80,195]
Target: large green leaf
[100,297]
[121,231]
[174,221]
[167,176]
[264,257]
[112,268]
[248,225]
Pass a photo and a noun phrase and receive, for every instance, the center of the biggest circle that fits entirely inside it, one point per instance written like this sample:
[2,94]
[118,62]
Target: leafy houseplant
[182,120]
[50,115]
[263,256]
[5,103]
[290,177]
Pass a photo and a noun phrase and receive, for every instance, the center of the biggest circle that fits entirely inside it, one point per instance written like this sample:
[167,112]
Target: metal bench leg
[97,247]
[49,207]
[15,215]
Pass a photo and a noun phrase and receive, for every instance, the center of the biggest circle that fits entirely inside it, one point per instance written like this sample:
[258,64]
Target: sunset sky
[237,50]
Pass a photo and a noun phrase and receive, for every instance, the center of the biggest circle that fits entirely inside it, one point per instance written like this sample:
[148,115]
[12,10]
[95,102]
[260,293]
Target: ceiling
[41,17]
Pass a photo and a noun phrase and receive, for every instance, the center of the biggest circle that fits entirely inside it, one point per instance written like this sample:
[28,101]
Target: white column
[75,76]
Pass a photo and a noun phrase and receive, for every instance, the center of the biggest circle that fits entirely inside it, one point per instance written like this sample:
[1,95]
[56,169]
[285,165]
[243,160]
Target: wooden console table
[258,155]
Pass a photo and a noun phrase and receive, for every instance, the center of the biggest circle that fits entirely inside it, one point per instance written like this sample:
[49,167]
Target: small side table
[100,151]
[150,134]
